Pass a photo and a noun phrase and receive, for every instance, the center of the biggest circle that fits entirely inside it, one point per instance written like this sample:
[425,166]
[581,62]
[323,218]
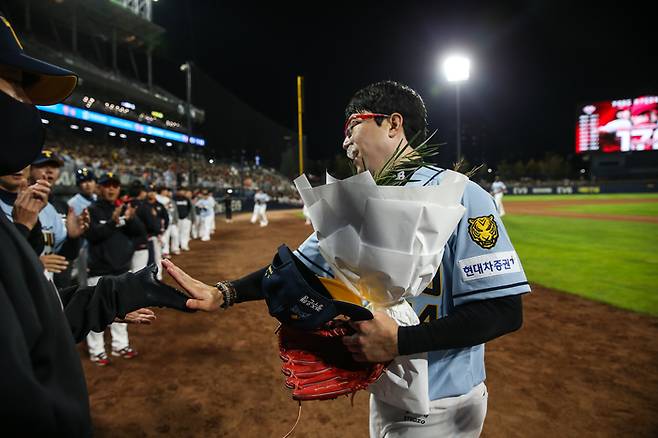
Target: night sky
[533,63]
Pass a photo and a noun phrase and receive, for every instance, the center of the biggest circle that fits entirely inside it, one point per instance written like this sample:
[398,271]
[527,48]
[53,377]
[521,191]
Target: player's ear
[396,125]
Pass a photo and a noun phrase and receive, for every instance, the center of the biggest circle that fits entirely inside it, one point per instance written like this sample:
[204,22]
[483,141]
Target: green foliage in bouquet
[405,160]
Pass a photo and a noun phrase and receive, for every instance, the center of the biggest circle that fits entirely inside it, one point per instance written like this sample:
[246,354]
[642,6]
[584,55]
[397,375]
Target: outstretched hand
[204,297]
[139,316]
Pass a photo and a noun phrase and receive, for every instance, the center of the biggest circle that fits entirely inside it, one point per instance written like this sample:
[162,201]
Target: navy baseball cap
[84,174]
[109,178]
[48,157]
[296,296]
[44,83]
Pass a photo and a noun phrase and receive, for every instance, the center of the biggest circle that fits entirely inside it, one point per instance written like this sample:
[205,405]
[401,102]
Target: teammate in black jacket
[184,206]
[136,196]
[112,231]
[159,221]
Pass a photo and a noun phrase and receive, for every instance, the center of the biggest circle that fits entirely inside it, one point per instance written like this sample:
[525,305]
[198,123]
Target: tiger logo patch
[483,231]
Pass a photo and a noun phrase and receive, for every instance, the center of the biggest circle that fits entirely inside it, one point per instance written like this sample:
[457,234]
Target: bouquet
[385,243]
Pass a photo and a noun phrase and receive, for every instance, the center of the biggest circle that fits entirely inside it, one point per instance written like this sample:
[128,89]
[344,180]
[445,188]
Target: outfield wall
[612,187]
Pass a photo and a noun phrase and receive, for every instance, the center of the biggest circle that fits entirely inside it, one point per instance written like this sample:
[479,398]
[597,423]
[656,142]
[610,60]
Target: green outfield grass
[611,261]
[521,198]
[640,209]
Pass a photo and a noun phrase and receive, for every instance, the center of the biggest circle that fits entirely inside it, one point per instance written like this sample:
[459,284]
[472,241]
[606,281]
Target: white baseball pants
[118,330]
[260,213]
[456,417]
[184,228]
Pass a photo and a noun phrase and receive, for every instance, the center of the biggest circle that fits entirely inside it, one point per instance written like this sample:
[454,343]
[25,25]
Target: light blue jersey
[206,207]
[479,263]
[79,202]
[52,226]
[6,210]
[53,229]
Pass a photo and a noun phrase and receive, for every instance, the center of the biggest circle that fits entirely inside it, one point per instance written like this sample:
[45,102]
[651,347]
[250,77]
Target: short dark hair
[388,97]
[136,187]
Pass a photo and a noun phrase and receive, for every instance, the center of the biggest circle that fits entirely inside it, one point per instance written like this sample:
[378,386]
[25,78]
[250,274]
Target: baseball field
[585,362]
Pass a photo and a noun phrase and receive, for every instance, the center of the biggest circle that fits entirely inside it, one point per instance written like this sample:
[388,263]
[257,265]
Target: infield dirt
[576,368]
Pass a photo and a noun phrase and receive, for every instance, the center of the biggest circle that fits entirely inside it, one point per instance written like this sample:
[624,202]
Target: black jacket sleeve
[95,307]
[135,227]
[151,221]
[34,236]
[164,217]
[249,288]
[468,325]
[71,248]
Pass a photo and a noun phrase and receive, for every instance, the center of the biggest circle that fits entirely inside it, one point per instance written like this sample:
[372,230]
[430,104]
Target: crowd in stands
[163,166]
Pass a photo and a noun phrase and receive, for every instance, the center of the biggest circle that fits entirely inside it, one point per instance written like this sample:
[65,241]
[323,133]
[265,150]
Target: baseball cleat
[126,353]
[100,359]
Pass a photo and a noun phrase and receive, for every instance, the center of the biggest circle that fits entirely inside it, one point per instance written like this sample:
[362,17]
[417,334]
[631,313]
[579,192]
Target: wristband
[228,293]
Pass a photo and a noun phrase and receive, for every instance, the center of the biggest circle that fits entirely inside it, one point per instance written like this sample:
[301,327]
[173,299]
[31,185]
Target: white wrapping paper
[385,243]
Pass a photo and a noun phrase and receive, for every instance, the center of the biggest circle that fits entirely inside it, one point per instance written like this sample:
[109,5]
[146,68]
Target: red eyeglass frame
[361,116]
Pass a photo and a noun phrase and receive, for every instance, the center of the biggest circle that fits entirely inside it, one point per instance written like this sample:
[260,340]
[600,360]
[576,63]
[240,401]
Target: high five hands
[203,296]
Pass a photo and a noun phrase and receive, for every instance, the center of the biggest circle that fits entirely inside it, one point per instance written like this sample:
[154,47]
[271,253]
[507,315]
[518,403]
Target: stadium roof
[102,18]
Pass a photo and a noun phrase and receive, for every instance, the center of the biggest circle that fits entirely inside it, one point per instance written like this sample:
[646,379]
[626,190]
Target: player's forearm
[249,287]
[468,325]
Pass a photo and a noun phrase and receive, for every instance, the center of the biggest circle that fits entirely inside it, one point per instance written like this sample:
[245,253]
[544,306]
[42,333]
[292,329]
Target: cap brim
[53,84]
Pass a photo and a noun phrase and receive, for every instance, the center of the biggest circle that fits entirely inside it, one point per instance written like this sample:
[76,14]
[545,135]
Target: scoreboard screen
[622,125]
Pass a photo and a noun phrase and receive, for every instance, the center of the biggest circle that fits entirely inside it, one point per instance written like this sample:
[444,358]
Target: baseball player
[19,210]
[136,198]
[60,239]
[498,190]
[113,228]
[58,262]
[260,208]
[228,208]
[213,204]
[170,241]
[42,382]
[206,213]
[184,207]
[196,215]
[155,218]
[307,216]
[86,181]
[475,295]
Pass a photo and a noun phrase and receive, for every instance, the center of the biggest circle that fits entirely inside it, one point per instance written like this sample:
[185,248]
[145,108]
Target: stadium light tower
[456,68]
[187,68]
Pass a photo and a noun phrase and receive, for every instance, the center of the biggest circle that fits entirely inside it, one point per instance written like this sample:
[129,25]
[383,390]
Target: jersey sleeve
[59,229]
[309,253]
[484,263]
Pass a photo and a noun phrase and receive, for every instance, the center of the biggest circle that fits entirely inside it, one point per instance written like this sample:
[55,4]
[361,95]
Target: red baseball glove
[319,367]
